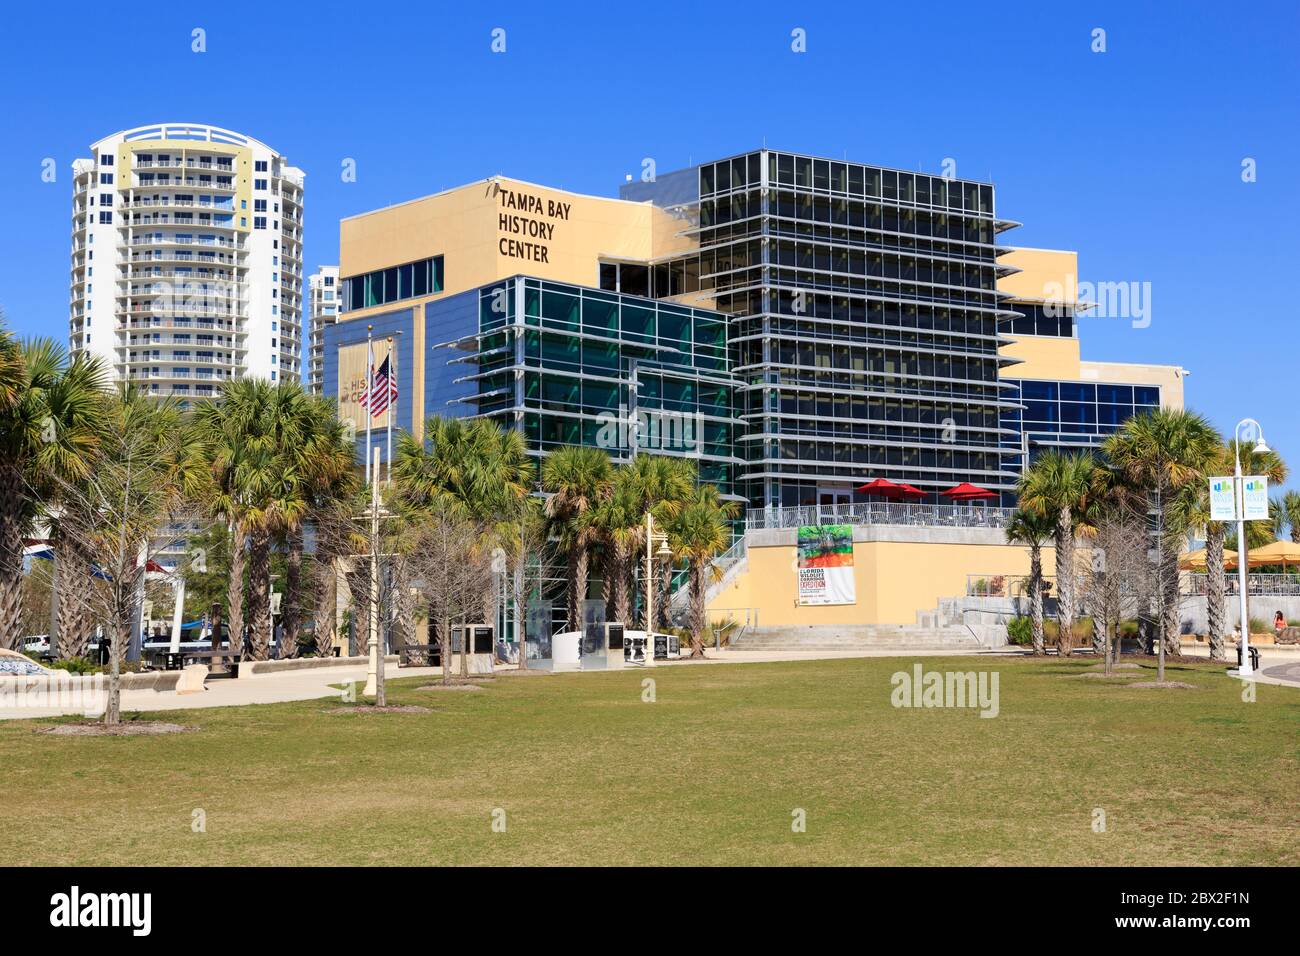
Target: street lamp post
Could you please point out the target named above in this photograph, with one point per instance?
(652, 537)
(1239, 489)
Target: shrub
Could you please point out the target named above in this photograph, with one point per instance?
(76, 665)
(1082, 632)
(1020, 631)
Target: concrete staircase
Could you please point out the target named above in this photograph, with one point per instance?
(877, 637)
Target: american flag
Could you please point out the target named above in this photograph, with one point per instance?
(382, 390)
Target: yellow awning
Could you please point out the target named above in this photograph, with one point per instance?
(1279, 552)
(1195, 560)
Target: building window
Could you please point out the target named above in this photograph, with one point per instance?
(259, 205)
(408, 281)
(106, 218)
(259, 166)
(106, 159)
(106, 179)
(259, 184)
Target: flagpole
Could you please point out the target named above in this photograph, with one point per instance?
(370, 378)
(392, 378)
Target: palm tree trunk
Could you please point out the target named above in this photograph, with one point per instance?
(697, 607)
(326, 603)
(1098, 633)
(578, 570)
(1215, 585)
(292, 622)
(1172, 622)
(235, 591)
(664, 595)
(76, 623)
(1065, 581)
(259, 604)
(11, 558)
(1036, 599)
(622, 593)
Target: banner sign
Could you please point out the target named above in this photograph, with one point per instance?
(1254, 494)
(1222, 507)
(826, 564)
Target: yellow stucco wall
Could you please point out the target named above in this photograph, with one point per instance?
(894, 580)
(1045, 274)
(1042, 272)
(502, 227)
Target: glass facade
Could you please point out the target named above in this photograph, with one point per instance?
(1064, 414)
(409, 281)
(864, 322)
(573, 365)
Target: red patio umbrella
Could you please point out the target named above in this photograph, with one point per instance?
(968, 492)
(881, 486)
(890, 489)
(907, 491)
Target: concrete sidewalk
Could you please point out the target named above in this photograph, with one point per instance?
(322, 682)
(1279, 665)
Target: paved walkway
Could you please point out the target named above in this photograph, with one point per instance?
(322, 682)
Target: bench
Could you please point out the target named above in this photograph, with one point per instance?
(211, 657)
(1254, 657)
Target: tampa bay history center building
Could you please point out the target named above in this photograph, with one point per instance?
(818, 323)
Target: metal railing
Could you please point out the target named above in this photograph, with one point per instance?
(1004, 585)
(1266, 584)
(880, 512)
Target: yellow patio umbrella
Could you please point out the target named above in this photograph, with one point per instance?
(1195, 560)
(1279, 552)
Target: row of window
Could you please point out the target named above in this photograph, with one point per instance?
(846, 212)
(847, 179)
(409, 281)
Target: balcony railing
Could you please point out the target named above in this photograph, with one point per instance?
(881, 512)
(1264, 584)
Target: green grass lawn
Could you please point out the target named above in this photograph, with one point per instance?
(589, 774)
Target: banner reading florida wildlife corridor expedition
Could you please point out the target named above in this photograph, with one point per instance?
(826, 564)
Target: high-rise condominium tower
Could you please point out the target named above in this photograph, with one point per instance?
(187, 259)
(322, 310)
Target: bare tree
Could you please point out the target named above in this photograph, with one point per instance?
(443, 553)
(131, 510)
(1116, 577)
(336, 538)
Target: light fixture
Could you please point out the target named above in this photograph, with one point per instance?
(1261, 448)
(664, 551)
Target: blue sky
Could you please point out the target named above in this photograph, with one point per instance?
(1132, 157)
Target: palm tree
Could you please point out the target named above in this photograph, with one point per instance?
(1032, 530)
(256, 437)
(616, 522)
(1195, 513)
(699, 530)
(51, 428)
(323, 464)
(470, 470)
(1161, 454)
(1288, 513)
(151, 464)
(654, 480)
(575, 477)
(1058, 487)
